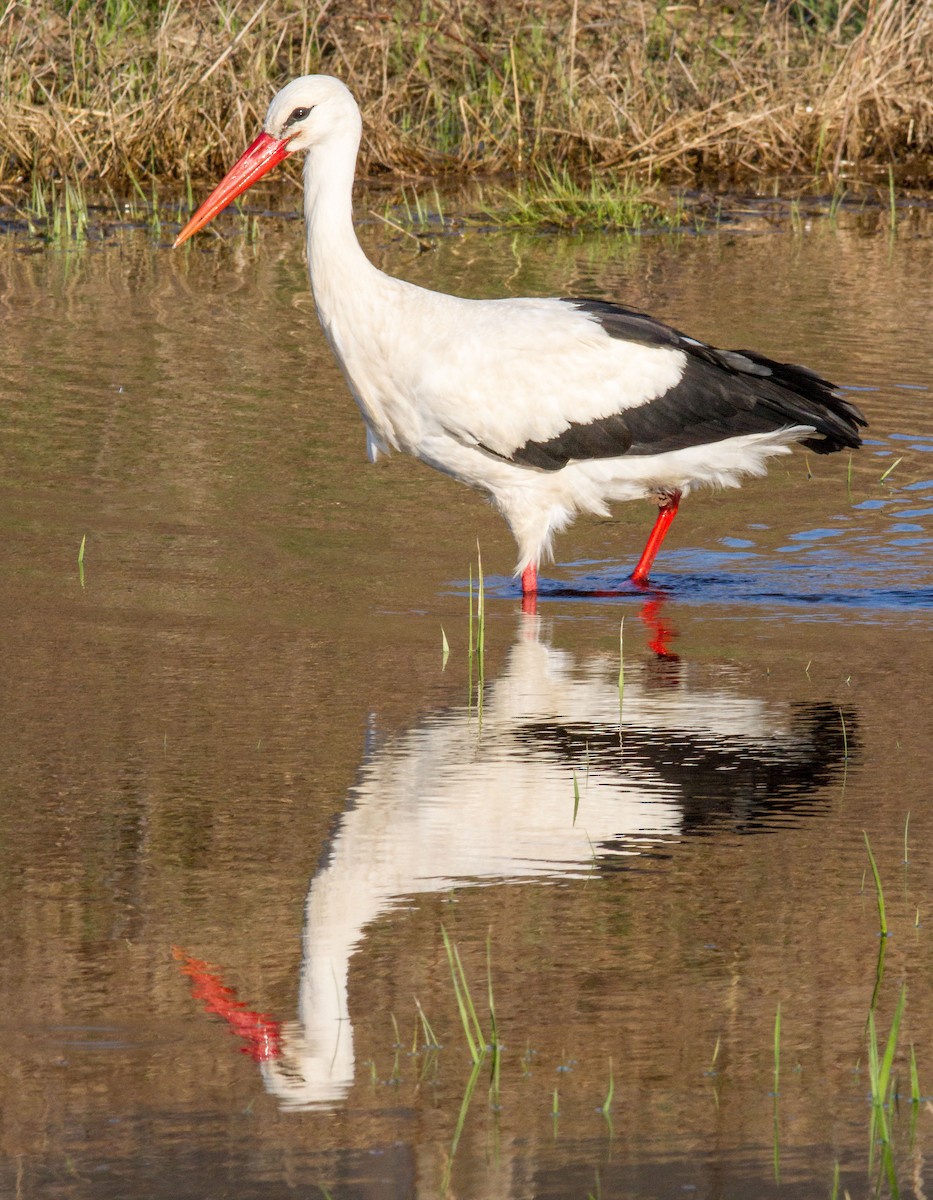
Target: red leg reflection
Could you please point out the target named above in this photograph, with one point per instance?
(650, 616)
(262, 1033)
(530, 590)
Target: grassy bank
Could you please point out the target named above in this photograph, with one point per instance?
(128, 90)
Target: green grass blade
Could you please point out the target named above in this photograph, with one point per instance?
(461, 1121)
(480, 618)
(897, 462)
(887, 1061)
(879, 974)
(878, 1129)
(471, 1027)
(607, 1103)
(887, 1158)
(493, 1027)
(879, 892)
(430, 1039)
(470, 628)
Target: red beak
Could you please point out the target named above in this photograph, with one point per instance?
(252, 164)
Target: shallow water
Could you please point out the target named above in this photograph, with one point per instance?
(244, 795)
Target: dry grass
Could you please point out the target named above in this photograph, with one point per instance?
(120, 90)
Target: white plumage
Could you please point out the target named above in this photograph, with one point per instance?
(551, 406)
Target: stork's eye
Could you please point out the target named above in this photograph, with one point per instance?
(297, 114)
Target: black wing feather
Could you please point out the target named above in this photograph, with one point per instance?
(722, 394)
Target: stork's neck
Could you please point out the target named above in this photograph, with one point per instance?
(340, 271)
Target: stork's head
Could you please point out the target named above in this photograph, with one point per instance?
(306, 113)
(311, 109)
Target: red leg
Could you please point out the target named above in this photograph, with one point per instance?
(530, 589)
(667, 511)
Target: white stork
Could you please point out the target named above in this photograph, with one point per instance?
(551, 406)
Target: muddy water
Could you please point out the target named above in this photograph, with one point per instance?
(243, 796)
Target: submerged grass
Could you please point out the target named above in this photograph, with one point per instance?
(57, 211)
(883, 1091)
(606, 1108)
(879, 891)
(481, 1048)
(556, 198)
(481, 1037)
(130, 88)
(897, 462)
(477, 634)
(479, 1044)
(67, 213)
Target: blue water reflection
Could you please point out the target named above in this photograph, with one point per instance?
(876, 557)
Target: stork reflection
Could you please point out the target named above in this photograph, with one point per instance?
(455, 802)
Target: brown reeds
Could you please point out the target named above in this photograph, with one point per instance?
(121, 90)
